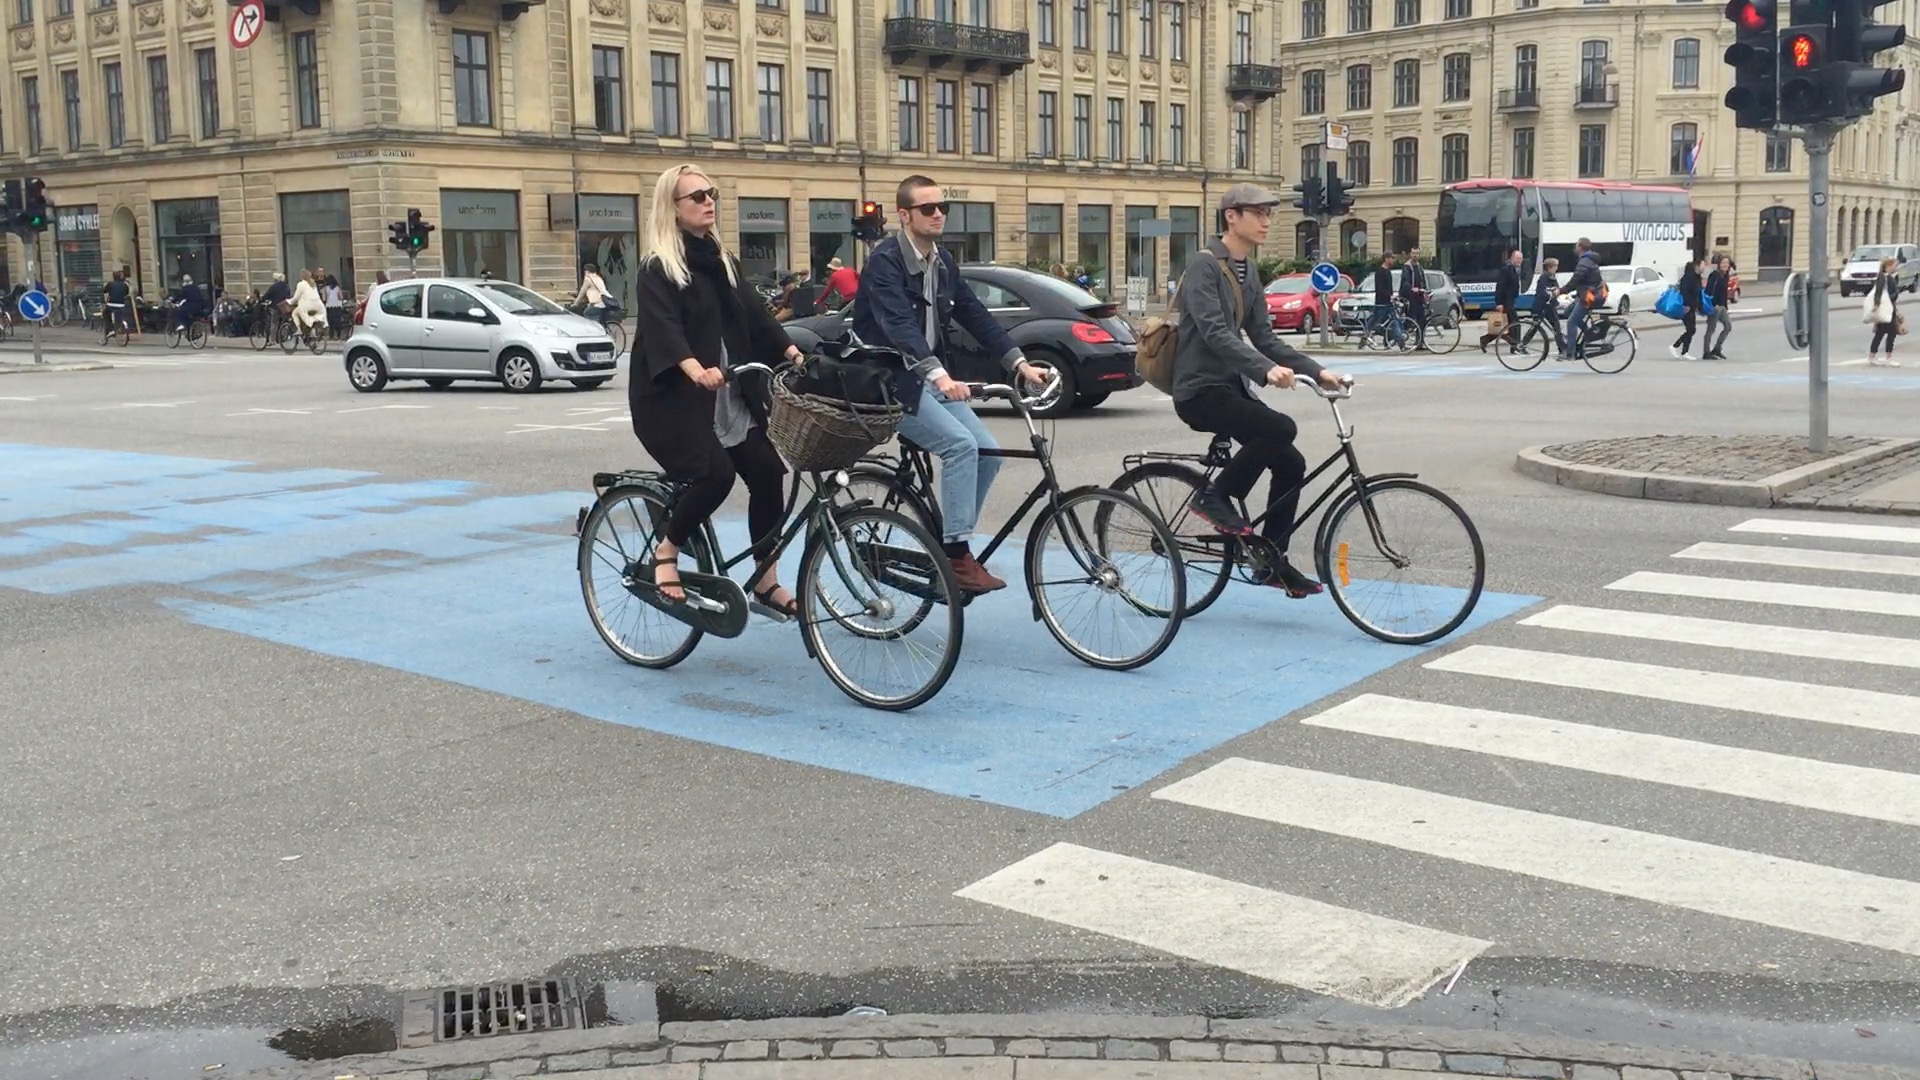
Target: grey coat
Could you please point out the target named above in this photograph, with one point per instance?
(1209, 349)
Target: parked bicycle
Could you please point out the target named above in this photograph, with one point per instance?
(1092, 551)
(1374, 532)
(869, 577)
(1607, 345)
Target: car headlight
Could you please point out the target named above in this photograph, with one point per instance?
(545, 329)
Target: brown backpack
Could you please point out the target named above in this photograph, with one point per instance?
(1159, 340)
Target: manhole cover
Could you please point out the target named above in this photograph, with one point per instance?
(454, 1013)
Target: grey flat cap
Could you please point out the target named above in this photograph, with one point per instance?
(1240, 195)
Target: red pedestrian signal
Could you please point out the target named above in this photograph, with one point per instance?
(1801, 52)
(1748, 16)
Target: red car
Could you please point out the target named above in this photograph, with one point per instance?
(1293, 305)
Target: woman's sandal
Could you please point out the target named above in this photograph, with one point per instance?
(673, 584)
(764, 600)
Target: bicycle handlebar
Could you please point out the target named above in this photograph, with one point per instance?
(1324, 394)
(1049, 391)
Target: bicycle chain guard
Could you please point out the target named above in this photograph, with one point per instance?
(716, 604)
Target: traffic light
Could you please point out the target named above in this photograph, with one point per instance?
(871, 225)
(1312, 192)
(1804, 76)
(397, 234)
(1755, 58)
(34, 213)
(1339, 194)
(418, 231)
(1856, 39)
(16, 201)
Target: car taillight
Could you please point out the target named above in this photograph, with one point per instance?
(1092, 333)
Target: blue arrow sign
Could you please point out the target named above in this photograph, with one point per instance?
(33, 305)
(1325, 277)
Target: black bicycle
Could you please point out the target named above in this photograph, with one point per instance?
(1371, 535)
(1092, 552)
(869, 577)
(1607, 345)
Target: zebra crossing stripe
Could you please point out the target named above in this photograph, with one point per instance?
(1786, 594)
(1808, 898)
(1878, 794)
(1805, 558)
(1289, 939)
(1722, 634)
(1830, 530)
(1872, 710)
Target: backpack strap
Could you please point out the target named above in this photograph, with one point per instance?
(1239, 291)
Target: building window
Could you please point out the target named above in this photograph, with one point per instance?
(306, 80)
(1049, 124)
(1177, 134)
(1243, 140)
(980, 13)
(1313, 20)
(665, 75)
(1593, 63)
(70, 101)
(116, 104)
(159, 99)
(1406, 12)
(207, 67)
(1083, 126)
(1593, 150)
(1149, 27)
(772, 99)
(1312, 162)
(1116, 129)
(1686, 64)
(1521, 167)
(1243, 36)
(946, 116)
(1360, 163)
(1779, 153)
(1456, 77)
(1406, 83)
(819, 106)
(25, 9)
(1359, 16)
(1116, 27)
(1406, 162)
(818, 7)
(1313, 93)
(609, 89)
(1681, 139)
(472, 78)
(908, 94)
(1360, 88)
(30, 100)
(1083, 24)
(1459, 9)
(1776, 235)
(1453, 158)
(720, 99)
(1045, 18)
(768, 3)
(981, 122)
(1149, 119)
(1177, 31)
(1526, 68)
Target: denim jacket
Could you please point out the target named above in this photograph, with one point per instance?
(891, 308)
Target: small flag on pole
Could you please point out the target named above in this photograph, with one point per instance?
(1693, 157)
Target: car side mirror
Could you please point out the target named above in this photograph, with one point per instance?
(477, 314)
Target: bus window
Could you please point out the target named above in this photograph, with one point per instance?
(1673, 207)
(1635, 206)
(1474, 230)
(1583, 206)
(1553, 205)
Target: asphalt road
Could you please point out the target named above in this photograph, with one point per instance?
(303, 711)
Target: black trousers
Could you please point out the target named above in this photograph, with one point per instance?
(1883, 331)
(1686, 324)
(1266, 445)
(756, 462)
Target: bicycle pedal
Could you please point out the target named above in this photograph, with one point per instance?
(768, 611)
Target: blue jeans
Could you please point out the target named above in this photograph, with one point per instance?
(950, 431)
(1576, 326)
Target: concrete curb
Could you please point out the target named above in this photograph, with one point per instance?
(10, 368)
(1057, 1046)
(1534, 463)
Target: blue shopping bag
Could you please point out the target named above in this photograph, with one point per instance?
(1670, 303)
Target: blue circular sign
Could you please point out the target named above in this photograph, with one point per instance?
(1325, 277)
(33, 305)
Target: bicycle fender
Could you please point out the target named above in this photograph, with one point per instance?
(1320, 537)
(1373, 477)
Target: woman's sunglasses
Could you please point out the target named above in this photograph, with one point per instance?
(703, 195)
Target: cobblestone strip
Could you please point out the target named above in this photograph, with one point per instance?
(1753, 471)
(891, 1047)
(1843, 492)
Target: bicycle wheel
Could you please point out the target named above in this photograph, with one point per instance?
(61, 312)
(289, 338)
(1106, 577)
(618, 333)
(1399, 333)
(887, 569)
(260, 334)
(880, 485)
(1618, 344)
(1525, 356)
(1207, 557)
(1442, 338)
(316, 341)
(197, 334)
(1368, 548)
(616, 545)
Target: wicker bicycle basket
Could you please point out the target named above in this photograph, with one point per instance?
(818, 434)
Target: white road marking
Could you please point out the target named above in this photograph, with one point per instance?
(29, 397)
(1832, 530)
(1820, 597)
(1871, 709)
(523, 429)
(145, 405)
(1807, 898)
(1878, 794)
(1721, 634)
(1273, 935)
(1804, 558)
(375, 408)
(273, 412)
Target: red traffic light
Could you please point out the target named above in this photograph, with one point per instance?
(869, 208)
(1749, 17)
(1800, 52)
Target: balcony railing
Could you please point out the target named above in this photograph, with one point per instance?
(1253, 82)
(509, 9)
(1524, 99)
(1596, 95)
(939, 42)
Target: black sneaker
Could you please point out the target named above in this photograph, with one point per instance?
(1298, 585)
(1214, 509)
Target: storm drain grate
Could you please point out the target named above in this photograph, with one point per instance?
(509, 1008)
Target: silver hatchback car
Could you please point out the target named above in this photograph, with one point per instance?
(442, 329)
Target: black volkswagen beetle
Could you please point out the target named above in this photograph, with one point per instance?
(1056, 323)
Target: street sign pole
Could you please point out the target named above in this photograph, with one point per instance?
(1326, 309)
(1819, 140)
(33, 276)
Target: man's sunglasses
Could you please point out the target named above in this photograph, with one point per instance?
(702, 195)
(929, 208)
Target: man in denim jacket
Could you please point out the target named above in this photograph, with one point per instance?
(909, 292)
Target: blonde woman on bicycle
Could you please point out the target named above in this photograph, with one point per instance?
(309, 311)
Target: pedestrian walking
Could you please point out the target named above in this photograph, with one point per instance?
(1882, 309)
(1691, 287)
(1503, 321)
(1718, 285)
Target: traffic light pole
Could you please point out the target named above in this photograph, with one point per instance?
(31, 241)
(1326, 309)
(1819, 140)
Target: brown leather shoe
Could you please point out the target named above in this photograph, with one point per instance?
(974, 578)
